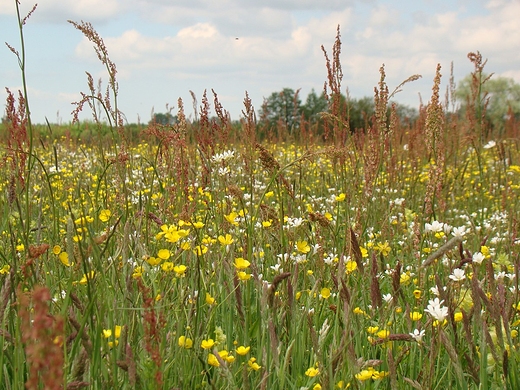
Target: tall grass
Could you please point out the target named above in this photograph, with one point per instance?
(201, 258)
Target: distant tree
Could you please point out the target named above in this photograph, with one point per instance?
(314, 106)
(500, 96)
(164, 119)
(360, 113)
(282, 108)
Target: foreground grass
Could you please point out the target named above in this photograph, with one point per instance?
(278, 272)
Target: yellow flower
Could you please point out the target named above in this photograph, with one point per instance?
(364, 251)
(20, 247)
(405, 279)
(56, 249)
(383, 334)
(458, 316)
(317, 386)
(269, 194)
(213, 361)
(167, 266)
(207, 344)
(383, 248)
(225, 240)
(485, 251)
(341, 197)
(64, 258)
(415, 316)
(86, 278)
(253, 365)
(210, 300)
(104, 215)
(163, 254)
(185, 342)
(138, 272)
(243, 350)
(364, 375)
(107, 333)
(117, 331)
(199, 250)
(325, 292)
(180, 270)
(5, 269)
(372, 329)
(379, 374)
(302, 247)
(198, 225)
(350, 266)
(231, 218)
(153, 261)
(357, 310)
(241, 263)
(312, 372)
(243, 275)
(417, 294)
(226, 356)
(266, 224)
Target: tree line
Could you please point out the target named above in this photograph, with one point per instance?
(284, 111)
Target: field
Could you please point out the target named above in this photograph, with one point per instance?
(204, 257)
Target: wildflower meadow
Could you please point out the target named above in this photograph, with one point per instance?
(201, 255)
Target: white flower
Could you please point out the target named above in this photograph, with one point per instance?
(490, 144)
(417, 335)
(388, 298)
(436, 310)
(295, 222)
(223, 171)
(459, 231)
(219, 157)
(434, 227)
(458, 275)
(478, 258)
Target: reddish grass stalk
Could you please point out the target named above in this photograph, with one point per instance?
(153, 323)
(43, 336)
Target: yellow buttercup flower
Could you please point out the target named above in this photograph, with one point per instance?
(185, 342)
(104, 215)
(207, 344)
(241, 263)
(243, 350)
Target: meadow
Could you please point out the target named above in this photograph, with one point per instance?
(203, 257)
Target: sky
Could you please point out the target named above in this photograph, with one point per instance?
(163, 49)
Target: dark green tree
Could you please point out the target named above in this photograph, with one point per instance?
(314, 105)
(164, 119)
(282, 109)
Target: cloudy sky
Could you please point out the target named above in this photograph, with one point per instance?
(165, 48)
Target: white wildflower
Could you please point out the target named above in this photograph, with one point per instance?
(417, 335)
(478, 258)
(436, 310)
(458, 275)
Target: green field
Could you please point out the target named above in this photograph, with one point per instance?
(200, 255)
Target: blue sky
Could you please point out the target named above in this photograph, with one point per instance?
(165, 48)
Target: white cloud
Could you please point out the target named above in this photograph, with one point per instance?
(58, 11)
